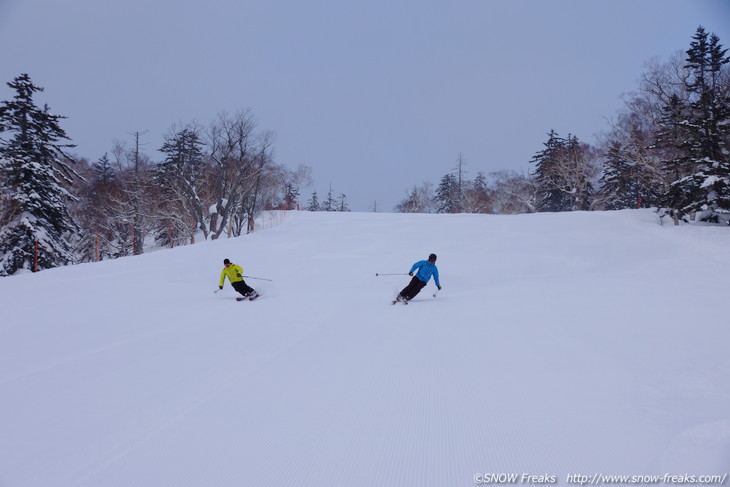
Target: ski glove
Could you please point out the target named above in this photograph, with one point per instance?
(439, 287)
(220, 287)
(410, 273)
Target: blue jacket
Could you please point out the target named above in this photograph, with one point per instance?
(425, 271)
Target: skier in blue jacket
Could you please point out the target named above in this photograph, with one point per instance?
(426, 269)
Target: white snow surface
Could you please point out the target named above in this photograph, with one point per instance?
(561, 344)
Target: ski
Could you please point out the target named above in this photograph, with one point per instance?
(250, 298)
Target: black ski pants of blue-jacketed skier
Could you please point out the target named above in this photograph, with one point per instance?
(412, 289)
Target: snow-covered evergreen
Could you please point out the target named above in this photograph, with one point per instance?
(179, 177)
(313, 203)
(103, 171)
(36, 175)
(625, 183)
(702, 166)
(563, 175)
(448, 197)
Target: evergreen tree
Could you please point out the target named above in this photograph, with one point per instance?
(330, 204)
(291, 196)
(448, 199)
(480, 183)
(313, 203)
(617, 184)
(547, 174)
(103, 171)
(672, 136)
(563, 175)
(344, 206)
(180, 177)
(702, 166)
(35, 170)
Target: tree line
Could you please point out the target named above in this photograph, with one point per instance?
(668, 147)
(332, 202)
(59, 209)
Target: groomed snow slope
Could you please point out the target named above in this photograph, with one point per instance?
(561, 344)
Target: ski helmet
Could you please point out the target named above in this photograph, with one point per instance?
(226, 261)
(432, 257)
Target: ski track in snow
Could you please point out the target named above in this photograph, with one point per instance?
(561, 343)
(113, 453)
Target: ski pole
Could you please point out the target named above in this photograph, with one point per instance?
(398, 274)
(259, 278)
(437, 291)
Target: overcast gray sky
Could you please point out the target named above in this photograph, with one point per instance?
(375, 96)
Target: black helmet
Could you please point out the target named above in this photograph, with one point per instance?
(226, 261)
(432, 257)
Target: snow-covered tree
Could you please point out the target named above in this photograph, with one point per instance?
(293, 182)
(418, 200)
(90, 209)
(329, 204)
(563, 174)
(705, 149)
(118, 209)
(137, 195)
(618, 184)
(104, 171)
(36, 174)
(550, 195)
(476, 195)
(448, 195)
(291, 197)
(313, 203)
(513, 193)
(240, 157)
(343, 205)
(632, 169)
(180, 177)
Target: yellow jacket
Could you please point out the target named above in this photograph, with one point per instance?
(234, 273)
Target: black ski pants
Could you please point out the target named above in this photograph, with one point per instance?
(413, 288)
(242, 287)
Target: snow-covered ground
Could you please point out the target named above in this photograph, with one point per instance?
(561, 345)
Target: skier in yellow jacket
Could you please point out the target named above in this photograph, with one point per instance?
(235, 275)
